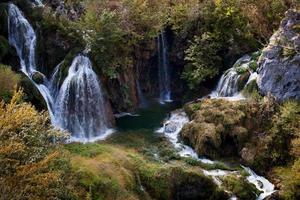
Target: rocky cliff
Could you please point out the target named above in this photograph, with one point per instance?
(279, 64)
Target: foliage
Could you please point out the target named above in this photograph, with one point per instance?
(203, 60)
(8, 82)
(224, 26)
(290, 177)
(31, 167)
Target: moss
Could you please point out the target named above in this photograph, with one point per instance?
(289, 52)
(87, 150)
(290, 178)
(240, 187)
(32, 94)
(241, 82)
(251, 90)
(253, 66)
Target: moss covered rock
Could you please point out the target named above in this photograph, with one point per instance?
(38, 77)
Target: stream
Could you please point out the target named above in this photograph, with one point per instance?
(149, 121)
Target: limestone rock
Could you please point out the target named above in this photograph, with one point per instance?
(279, 64)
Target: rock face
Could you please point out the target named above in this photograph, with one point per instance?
(279, 64)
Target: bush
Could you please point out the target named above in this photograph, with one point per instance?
(202, 59)
(31, 165)
(8, 82)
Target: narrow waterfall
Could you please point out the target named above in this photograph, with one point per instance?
(76, 106)
(22, 36)
(164, 70)
(80, 106)
(142, 100)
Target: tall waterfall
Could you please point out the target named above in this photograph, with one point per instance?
(78, 105)
(164, 70)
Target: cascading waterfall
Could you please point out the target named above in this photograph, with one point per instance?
(164, 70)
(21, 35)
(227, 85)
(78, 105)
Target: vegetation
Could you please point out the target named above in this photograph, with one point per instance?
(8, 83)
(237, 185)
(32, 166)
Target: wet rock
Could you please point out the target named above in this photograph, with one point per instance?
(171, 127)
(279, 64)
(274, 196)
(38, 77)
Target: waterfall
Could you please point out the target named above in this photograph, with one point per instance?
(141, 97)
(21, 35)
(227, 85)
(164, 69)
(78, 105)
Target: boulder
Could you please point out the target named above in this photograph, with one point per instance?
(38, 77)
(279, 64)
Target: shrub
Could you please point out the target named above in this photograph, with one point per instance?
(8, 82)
(202, 59)
(31, 165)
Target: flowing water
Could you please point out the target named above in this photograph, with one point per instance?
(164, 70)
(171, 129)
(78, 104)
(227, 87)
(72, 105)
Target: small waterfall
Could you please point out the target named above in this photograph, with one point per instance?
(164, 70)
(78, 105)
(142, 99)
(227, 85)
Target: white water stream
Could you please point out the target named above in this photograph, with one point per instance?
(172, 128)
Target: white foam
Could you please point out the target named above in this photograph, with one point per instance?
(261, 183)
(124, 114)
(83, 140)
